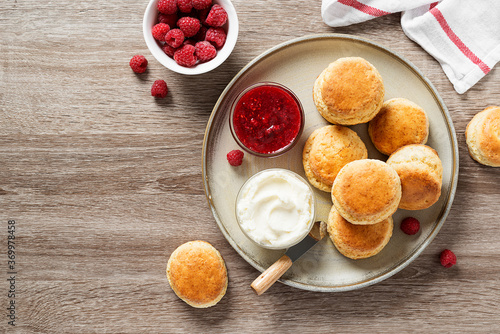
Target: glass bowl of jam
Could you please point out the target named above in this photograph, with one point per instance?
(266, 119)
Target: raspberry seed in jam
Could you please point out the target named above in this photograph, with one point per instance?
(266, 119)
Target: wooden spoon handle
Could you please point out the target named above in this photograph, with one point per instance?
(271, 275)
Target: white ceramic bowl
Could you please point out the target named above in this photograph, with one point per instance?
(231, 26)
(261, 198)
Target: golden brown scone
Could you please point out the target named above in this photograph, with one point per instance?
(421, 172)
(358, 241)
(349, 91)
(400, 122)
(197, 273)
(483, 137)
(366, 191)
(327, 150)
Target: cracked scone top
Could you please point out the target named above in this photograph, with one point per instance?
(349, 91)
(421, 172)
(366, 191)
(483, 137)
(327, 150)
(400, 122)
(197, 273)
(358, 241)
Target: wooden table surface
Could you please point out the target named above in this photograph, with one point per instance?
(104, 182)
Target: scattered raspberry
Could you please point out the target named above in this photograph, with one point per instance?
(216, 36)
(235, 157)
(159, 89)
(167, 6)
(174, 38)
(410, 225)
(447, 258)
(217, 16)
(170, 19)
(159, 31)
(205, 51)
(168, 50)
(185, 56)
(185, 6)
(138, 63)
(189, 26)
(201, 4)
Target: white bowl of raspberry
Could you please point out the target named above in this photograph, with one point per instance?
(190, 36)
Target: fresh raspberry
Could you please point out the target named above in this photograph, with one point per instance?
(185, 6)
(174, 38)
(167, 6)
(202, 15)
(159, 31)
(217, 16)
(201, 4)
(159, 89)
(447, 258)
(216, 36)
(185, 56)
(138, 63)
(410, 225)
(168, 50)
(235, 157)
(190, 42)
(205, 51)
(202, 33)
(189, 26)
(170, 19)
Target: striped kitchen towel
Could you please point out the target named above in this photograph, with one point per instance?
(462, 35)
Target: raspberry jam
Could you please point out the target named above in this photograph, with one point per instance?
(266, 119)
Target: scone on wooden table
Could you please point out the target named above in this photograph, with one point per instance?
(483, 137)
(349, 91)
(197, 273)
(358, 241)
(366, 191)
(421, 172)
(327, 150)
(400, 122)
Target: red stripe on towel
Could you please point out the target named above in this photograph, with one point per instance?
(432, 5)
(457, 41)
(364, 8)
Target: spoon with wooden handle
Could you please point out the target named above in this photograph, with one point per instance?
(278, 268)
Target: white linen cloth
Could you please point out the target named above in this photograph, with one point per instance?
(462, 35)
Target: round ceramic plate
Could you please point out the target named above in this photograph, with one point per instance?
(296, 64)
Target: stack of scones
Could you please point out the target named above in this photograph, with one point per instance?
(367, 192)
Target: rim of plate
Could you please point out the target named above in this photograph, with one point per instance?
(442, 216)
